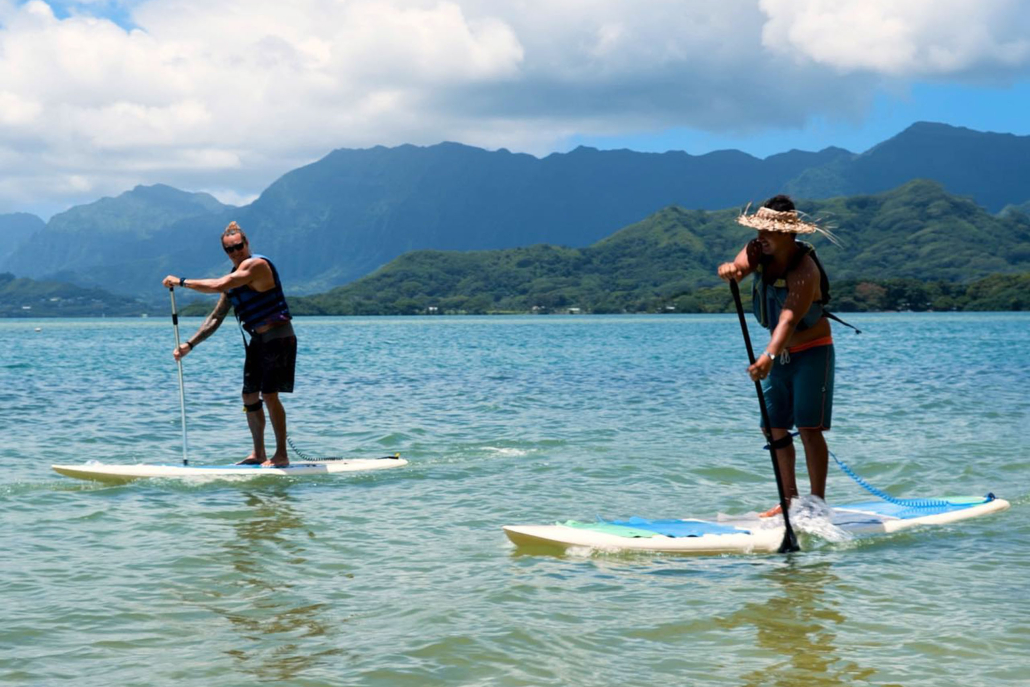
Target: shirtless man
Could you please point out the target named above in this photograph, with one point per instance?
(797, 366)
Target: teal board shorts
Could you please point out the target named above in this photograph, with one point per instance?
(800, 393)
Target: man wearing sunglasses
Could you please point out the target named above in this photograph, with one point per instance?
(254, 291)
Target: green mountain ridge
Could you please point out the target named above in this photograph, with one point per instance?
(15, 229)
(122, 244)
(353, 211)
(24, 297)
(1022, 208)
(917, 233)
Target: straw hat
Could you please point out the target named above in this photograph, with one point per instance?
(788, 222)
(767, 219)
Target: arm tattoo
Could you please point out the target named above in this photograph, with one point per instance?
(213, 321)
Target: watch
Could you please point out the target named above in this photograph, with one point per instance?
(771, 356)
(182, 281)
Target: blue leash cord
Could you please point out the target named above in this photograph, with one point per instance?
(909, 503)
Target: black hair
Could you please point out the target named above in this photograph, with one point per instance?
(780, 203)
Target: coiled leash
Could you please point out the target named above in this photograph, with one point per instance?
(909, 503)
(305, 457)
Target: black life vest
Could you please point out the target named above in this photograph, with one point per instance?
(256, 308)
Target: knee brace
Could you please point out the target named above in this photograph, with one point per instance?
(252, 407)
(782, 442)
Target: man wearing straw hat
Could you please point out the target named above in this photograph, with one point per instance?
(796, 368)
(256, 294)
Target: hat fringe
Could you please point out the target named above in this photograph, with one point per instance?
(790, 221)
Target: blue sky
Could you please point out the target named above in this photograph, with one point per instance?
(224, 96)
(1002, 109)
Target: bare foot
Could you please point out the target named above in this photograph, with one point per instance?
(276, 463)
(250, 460)
(772, 512)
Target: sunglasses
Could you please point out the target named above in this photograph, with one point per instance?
(234, 248)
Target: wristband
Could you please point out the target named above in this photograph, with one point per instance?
(190, 344)
(182, 281)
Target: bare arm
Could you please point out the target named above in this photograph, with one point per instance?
(253, 271)
(801, 291)
(211, 323)
(742, 265)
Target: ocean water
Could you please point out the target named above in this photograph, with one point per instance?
(404, 577)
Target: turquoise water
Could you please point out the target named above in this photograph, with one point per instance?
(404, 577)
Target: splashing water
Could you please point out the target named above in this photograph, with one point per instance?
(811, 515)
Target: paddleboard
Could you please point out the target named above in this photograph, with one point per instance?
(748, 534)
(116, 474)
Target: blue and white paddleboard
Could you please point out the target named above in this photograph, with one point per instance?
(749, 534)
(117, 474)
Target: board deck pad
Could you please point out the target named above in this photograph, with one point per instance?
(116, 474)
(747, 534)
(639, 527)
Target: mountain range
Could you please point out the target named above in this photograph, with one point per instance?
(917, 231)
(342, 217)
(24, 297)
(15, 229)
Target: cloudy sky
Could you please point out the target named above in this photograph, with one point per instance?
(224, 96)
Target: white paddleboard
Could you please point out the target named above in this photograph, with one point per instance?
(117, 474)
(745, 534)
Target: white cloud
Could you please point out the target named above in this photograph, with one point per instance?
(229, 94)
(230, 196)
(912, 38)
(17, 110)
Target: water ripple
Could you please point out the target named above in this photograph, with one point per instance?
(404, 577)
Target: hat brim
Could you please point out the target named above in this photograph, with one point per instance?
(769, 224)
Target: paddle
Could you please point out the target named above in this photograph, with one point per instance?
(182, 392)
(790, 542)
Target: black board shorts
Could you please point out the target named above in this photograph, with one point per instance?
(271, 360)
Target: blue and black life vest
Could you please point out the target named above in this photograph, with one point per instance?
(256, 308)
(769, 297)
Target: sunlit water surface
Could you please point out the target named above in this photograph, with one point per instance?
(404, 577)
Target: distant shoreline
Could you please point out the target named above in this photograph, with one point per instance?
(164, 316)
(995, 293)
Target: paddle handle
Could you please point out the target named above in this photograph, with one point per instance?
(790, 542)
(182, 389)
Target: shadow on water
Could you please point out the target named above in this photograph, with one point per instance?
(283, 632)
(798, 624)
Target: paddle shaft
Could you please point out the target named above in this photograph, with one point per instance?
(182, 391)
(790, 542)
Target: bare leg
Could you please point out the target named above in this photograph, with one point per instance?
(256, 422)
(817, 458)
(785, 459)
(277, 414)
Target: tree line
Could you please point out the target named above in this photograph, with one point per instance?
(1002, 292)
